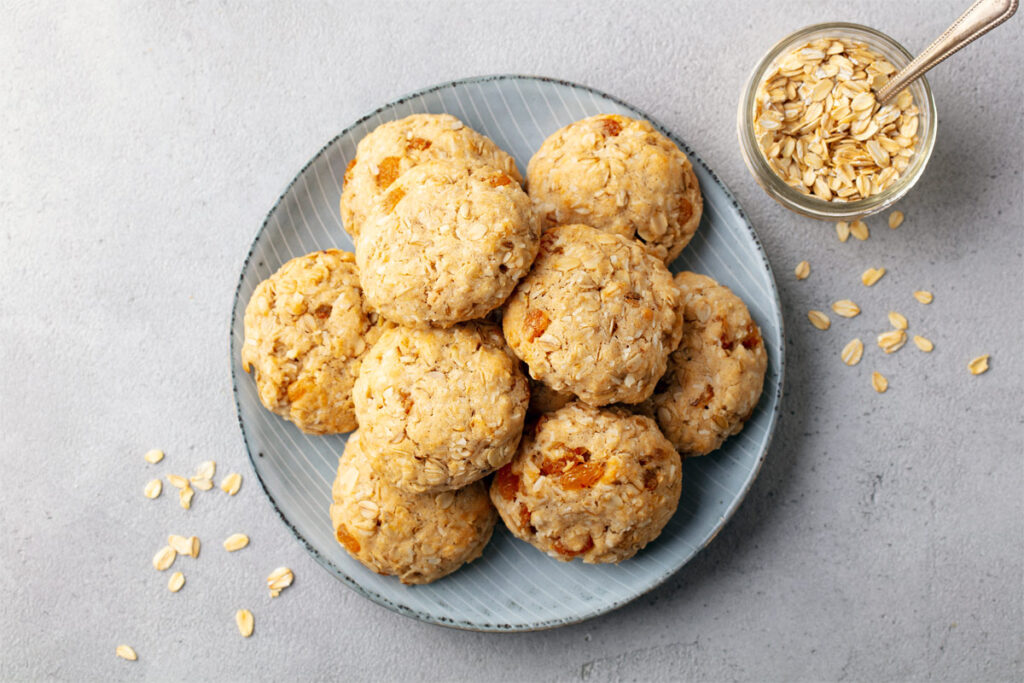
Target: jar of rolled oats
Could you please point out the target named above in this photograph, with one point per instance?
(812, 134)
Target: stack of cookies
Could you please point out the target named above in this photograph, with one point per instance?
(479, 329)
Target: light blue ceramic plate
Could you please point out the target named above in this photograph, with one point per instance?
(513, 587)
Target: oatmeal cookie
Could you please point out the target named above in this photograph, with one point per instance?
(394, 147)
(596, 316)
(619, 175)
(440, 408)
(306, 331)
(417, 537)
(715, 377)
(447, 242)
(595, 483)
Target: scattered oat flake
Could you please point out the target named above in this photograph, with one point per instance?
(978, 365)
(181, 545)
(278, 580)
(898, 321)
(859, 229)
(176, 481)
(846, 308)
(892, 341)
(895, 219)
(201, 484)
(231, 483)
(924, 296)
(803, 270)
(206, 470)
(153, 488)
(154, 456)
(175, 583)
(244, 621)
(126, 652)
(923, 344)
(819, 319)
(193, 546)
(235, 542)
(164, 558)
(843, 231)
(872, 275)
(185, 497)
(879, 382)
(852, 352)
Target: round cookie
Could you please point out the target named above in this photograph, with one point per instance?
(306, 331)
(447, 242)
(596, 316)
(394, 147)
(714, 379)
(440, 408)
(595, 483)
(619, 175)
(417, 537)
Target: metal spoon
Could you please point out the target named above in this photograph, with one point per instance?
(979, 19)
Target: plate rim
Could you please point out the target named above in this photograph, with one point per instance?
(408, 612)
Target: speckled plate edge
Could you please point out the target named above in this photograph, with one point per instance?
(603, 609)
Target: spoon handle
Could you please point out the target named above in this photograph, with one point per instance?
(979, 19)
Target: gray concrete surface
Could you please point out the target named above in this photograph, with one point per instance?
(142, 145)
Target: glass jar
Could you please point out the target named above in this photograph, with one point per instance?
(807, 204)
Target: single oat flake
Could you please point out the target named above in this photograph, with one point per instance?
(278, 580)
(185, 497)
(803, 270)
(201, 484)
(235, 542)
(895, 219)
(978, 365)
(164, 558)
(879, 382)
(923, 344)
(819, 319)
(859, 230)
(231, 483)
(181, 545)
(872, 275)
(898, 321)
(244, 621)
(177, 481)
(126, 652)
(193, 544)
(153, 488)
(924, 296)
(846, 308)
(175, 583)
(206, 470)
(852, 352)
(154, 456)
(843, 231)
(892, 341)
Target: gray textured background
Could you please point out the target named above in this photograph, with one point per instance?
(141, 148)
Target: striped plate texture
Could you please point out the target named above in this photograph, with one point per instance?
(513, 586)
